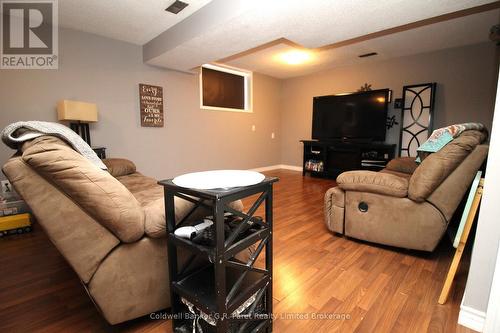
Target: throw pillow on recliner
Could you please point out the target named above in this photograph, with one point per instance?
(403, 164)
(118, 167)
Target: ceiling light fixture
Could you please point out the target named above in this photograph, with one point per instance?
(176, 7)
(295, 57)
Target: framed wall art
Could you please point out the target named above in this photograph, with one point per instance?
(151, 105)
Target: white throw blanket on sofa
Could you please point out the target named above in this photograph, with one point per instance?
(35, 128)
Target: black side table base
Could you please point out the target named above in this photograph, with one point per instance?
(225, 283)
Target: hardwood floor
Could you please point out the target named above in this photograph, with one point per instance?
(360, 287)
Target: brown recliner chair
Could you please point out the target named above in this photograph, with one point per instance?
(109, 226)
(406, 205)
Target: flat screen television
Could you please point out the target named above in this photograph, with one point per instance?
(359, 116)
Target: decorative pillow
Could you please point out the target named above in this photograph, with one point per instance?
(442, 136)
(402, 164)
(119, 166)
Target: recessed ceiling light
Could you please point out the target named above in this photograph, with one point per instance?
(295, 57)
(176, 7)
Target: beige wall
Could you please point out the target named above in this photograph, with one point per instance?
(107, 72)
(465, 92)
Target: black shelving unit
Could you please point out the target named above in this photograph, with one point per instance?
(221, 283)
(337, 157)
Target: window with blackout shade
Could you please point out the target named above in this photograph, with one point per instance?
(225, 89)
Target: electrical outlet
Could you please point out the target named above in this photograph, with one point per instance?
(253, 128)
(272, 135)
(6, 186)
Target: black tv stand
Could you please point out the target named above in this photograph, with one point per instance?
(354, 140)
(330, 158)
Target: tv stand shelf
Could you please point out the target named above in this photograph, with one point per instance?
(330, 158)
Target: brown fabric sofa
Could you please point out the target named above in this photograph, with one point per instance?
(109, 226)
(406, 205)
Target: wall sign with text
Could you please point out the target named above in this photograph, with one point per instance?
(151, 102)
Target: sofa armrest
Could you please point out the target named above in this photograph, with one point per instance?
(334, 209)
(373, 182)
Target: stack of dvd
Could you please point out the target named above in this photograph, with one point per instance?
(314, 165)
(15, 217)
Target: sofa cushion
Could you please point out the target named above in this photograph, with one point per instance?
(402, 164)
(438, 166)
(447, 196)
(83, 242)
(155, 225)
(150, 196)
(133, 280)
(373, 182)
(119, 166)
(97, 192)
(137, 182)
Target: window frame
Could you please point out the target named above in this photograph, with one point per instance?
(248, 87)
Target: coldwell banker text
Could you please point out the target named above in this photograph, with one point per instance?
(29, 34)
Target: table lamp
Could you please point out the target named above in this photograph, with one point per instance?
(79, 114)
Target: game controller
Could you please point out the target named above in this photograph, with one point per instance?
(192, 231)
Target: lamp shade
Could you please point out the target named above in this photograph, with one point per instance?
(76, 111)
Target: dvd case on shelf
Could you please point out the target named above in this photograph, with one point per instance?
(314, 165)
(11, 204)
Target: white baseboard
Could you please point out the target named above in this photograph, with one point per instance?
(267, 168)
(278, 166)
(291, 167)
(471, 318)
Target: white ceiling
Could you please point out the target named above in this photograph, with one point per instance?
(462, 31)
(223, 28)
(133, 21)
(312, 23)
